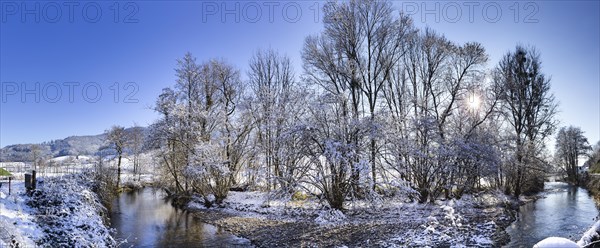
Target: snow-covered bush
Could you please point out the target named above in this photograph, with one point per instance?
(209, 176)
(104, 183)
(70, 214)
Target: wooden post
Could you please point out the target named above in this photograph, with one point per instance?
(28, 181)
(9, 179)
(33, 179)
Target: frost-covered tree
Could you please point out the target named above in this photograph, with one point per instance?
(571, 144)
(277, 105)
(352, 58)
(117, 140)
(135, 144)
(165, 138)
(529, 109)
(371, 41)
(328, 142)
(218, 157)
(424, 94)
(200, 136)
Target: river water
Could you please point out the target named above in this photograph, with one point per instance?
(565, 211)
(145, 218)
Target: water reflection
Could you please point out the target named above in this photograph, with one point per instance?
(146, 219)
(566, 211)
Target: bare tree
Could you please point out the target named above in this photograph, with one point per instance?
(36, 155)
(135, 143)
(425, 91)
(117, 139)
(328, 144)
(529, 108)
(200, 138)
(570, 146)
(594, 159)
(277, 106)
(165, 137)
(354, 57)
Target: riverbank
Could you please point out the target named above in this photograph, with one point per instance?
(477, 220)
(593, 185)
(592, 236)
(62, 212)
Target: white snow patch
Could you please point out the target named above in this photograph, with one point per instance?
(589, 235)
(556, 242)
(481, 240)
(17, 221)
(330, 217)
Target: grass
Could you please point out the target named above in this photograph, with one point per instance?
(4, 173)
(595, 168)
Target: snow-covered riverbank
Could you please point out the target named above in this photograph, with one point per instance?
(62, 212)
(471, 221)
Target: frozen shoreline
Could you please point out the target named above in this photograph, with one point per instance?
(471, 221)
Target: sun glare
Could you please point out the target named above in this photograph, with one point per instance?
(474, 102)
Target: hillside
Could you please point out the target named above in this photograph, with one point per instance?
(73, 145)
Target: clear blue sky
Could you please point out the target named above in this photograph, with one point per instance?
(74, 50)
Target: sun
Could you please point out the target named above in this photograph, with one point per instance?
(474, 102)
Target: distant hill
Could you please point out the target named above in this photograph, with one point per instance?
(73, 145)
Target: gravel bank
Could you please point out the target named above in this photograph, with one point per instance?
(414, 225)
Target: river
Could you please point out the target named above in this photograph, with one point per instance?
(145, 218)
(565, 211)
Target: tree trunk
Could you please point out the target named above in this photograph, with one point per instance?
(373, 162)
(119, 172)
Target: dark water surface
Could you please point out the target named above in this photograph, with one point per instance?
(145, 218)
(566, 211)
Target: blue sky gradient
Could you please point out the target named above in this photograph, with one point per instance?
(137, 46)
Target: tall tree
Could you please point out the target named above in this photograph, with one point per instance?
(570, 146)
(136, 142)
(117, 139)
(276, 105)
(352, 59)
(36, 155)
(529, 108)
(201, 139)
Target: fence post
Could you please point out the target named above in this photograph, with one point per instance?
(33, 180)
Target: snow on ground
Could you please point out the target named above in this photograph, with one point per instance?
(17, 220)
(470, 221)
(63, 211)
(556, 242)
(69, 213)
(80, 159)
(590, 235)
